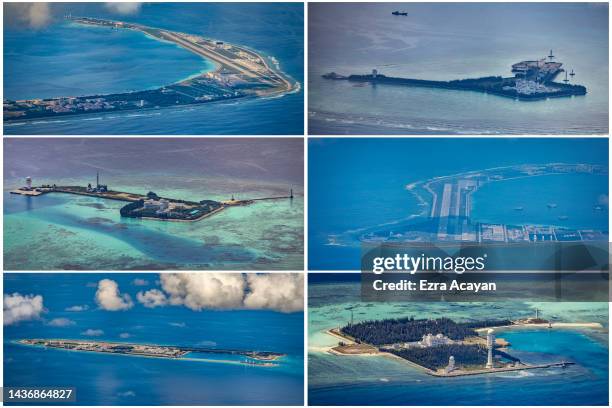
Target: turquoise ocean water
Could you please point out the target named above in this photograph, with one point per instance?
(65, 59)
(367, 380)
(102, 379)
(79, 232)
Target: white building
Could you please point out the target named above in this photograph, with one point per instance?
(451, 365)
(528, 87)
(151, 204)
(490, 343)
(163, 206)
(431, 341)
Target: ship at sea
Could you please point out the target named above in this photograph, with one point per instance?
(441, 71)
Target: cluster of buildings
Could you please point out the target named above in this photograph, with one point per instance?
(159, 205)
(537, 70)
(59, 105)
(535, 233)
(530, 87)
(221, 45)
(163, 207)
(451, 207)
(532, 75)
(222, 78)
(99, 188)
(81, 104)
(107, 347)
(428, 340)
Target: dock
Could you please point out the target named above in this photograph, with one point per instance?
(461, 373)
(239, 73)
(149, 206)
(263, 358)
(448, 204)
(349, 346)
(533, 80)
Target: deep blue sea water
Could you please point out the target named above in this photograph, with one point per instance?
(63, 59)
(360, 183)
(126, 380)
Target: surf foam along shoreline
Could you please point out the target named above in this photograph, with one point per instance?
(534, 80)
(239, 73)
(442, 219)
(469, 341)
(257, 358)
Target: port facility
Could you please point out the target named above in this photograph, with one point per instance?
(533, 80)
(260, 358)
(146, 206)
(447, 203)
(240, 72)
(494, 351)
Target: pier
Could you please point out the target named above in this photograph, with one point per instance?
(351, 346)
(533, 80)
(149, 206)
(239, 73)
(460, 373)
(263, 358)
(449, 214)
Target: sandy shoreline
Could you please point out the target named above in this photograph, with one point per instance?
(458, 373)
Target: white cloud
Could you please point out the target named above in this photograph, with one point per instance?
(109, 298)
(199, 291)
(152, 298)
(61, 322)
(140, 282)
(32, 15)
(123, 8)
(93, 332)
(77, 308)
(18, 308)
(283, 292)
(125, 335)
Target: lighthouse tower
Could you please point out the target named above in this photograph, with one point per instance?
(451, 365)
(29, 183)
(490, 343)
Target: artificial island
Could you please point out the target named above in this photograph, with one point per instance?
(454, 349)
(446, 211)
(258, 358)
(532, 80)
(239, 73)
(149, 206)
